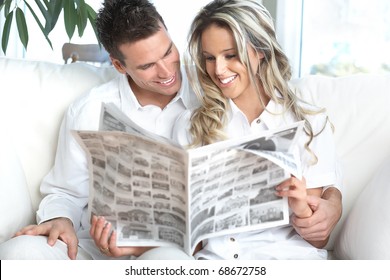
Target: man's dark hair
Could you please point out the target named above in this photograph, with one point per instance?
(126, 21)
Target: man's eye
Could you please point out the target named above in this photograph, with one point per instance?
(145, 67)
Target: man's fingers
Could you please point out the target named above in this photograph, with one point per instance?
(72, 248)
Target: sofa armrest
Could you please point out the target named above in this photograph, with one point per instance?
(15, 202)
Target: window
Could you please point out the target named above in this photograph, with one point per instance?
(335, 37)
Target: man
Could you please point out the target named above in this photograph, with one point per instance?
(151, 90)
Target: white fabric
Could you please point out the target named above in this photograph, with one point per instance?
(282, 242)
(66, 187)
(165, 253)
(365, 233)
(15, 203)
(358, 108)
(34, 97)
(28, 247)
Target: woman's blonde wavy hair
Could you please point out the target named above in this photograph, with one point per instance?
(251, 25)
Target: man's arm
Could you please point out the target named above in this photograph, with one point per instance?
(327, 212)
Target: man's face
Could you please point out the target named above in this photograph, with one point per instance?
(153, 65)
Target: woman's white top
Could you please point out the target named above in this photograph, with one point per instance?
(280, 242)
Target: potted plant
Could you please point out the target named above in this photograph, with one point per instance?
(77, 13)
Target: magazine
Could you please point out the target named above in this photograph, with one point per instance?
(156, 193)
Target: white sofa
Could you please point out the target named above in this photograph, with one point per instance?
(34, 96)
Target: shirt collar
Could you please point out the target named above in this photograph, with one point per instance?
(272, 117)
(186, 94)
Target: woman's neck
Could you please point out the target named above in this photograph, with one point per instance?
(251, 104)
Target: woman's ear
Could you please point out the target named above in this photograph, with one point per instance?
(260, 55)
(118, 65)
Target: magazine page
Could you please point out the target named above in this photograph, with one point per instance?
(145, 186)
(139, 185)
(232, 183)
(113, 119)
(280, 147)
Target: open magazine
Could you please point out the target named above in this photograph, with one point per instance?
(156, 193)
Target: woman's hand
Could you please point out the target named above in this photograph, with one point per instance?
(296, 191)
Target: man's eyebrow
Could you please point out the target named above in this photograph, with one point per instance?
(142, 66)
(169, 49)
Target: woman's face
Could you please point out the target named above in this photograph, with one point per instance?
(223, 64)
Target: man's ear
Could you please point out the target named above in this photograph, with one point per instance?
(118, 65)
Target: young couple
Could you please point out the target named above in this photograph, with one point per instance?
(241, 86)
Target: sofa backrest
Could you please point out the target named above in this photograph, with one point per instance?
(358, 106)
(34, 96)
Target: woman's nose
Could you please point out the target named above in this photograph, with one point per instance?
(220, 66)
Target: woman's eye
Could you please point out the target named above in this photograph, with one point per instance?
(230, 56)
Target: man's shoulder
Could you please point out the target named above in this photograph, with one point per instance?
(106, 92)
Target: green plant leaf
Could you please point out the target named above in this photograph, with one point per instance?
(70, 18)
(6, 31)
(7, 7)
(82, 17)
(91, 14)
(22, 27)
(54, 8)
(92, 19)
(44, 11)
(39, 24)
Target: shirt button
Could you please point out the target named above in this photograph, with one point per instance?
(235, 256)
(232, 239)
(258, 121)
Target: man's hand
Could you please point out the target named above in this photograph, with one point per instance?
(326, 213)
(105, 240)
(58, 228)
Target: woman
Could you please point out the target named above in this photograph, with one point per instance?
(242, 80)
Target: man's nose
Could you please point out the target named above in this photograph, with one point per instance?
(163, 69)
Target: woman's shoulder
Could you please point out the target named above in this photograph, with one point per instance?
(317, 116)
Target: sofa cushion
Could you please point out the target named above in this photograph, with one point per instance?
(15, 203)
(357, 107)
(36, 95)
(365, 233)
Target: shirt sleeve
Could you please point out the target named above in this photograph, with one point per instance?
(324, 172)
(66, 187)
